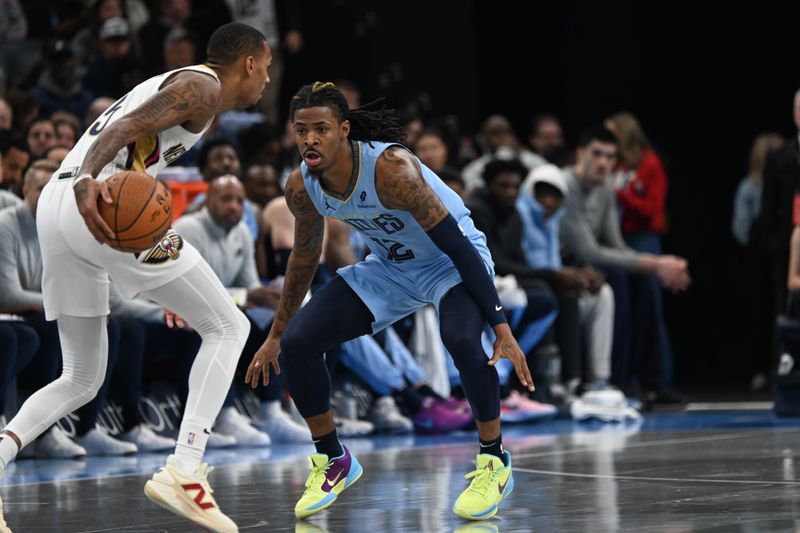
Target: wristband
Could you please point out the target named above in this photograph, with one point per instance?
(81, 178)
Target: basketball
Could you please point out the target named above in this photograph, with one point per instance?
(141, 211)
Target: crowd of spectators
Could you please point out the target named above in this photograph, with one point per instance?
(575, 234)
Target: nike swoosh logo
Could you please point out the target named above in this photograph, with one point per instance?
(502, 487)
(332, 482)
(498, 307)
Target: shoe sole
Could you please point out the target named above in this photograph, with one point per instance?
(166, 497)
(306, 514)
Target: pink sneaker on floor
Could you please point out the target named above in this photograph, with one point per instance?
(436, 417)
(519, 408)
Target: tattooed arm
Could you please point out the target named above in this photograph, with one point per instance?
(400, 185)
(309, 229)
(189, 98)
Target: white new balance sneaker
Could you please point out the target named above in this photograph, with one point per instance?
(188, 496)
(386, 417)
(147, 440)
(279, 424)
(98, 442)
(233, 423)
(55, 444)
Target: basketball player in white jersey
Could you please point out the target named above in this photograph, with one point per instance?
(144, 130)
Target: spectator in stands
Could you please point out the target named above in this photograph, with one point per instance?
(547, 139)
(590, 233)
(67, 128)
(586, 308)
(172, 14)
(41, 136)
(24, 108)
(494, 211)
(755, 276)
(6, 115)
(453, 179)
(431, 149)
(116, 69)
(59, 87)
(56, 154)
(412, 125)
(179, 49)
(280, 21)
(18, 344)
(498, 140)
(219, 157)
(219, 234)
(20, 279)
(776, 219)
(15, 159)
(96, 108)
(260, 180)
(85, 42)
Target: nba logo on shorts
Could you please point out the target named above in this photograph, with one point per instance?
(190, 438)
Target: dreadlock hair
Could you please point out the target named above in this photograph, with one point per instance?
(370, 122)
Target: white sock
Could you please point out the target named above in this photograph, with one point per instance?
(189, 449)
(8, 450)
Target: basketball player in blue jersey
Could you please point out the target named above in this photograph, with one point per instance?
(147, 128)
(425, 250)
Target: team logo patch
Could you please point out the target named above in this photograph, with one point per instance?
(169, 248)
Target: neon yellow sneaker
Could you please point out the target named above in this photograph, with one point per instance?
(491, 482)
(327, 480)
(188, 496)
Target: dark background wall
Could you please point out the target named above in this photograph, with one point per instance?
(703, 78)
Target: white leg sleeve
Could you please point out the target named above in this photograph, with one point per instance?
(597, 320)
(200, 299)
(84, 348)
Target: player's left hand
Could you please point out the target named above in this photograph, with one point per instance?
(173, 320)
(265, 356)
(505, 346)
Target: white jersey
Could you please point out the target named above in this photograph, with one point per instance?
(149, 154)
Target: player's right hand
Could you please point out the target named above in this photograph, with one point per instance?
(505, 346)
(265, 356)
(87, 193)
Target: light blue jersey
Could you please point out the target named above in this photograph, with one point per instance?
(405, 269)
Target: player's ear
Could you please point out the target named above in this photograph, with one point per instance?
(345, 128)
(250, 64)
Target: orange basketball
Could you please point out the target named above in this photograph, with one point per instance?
(141, 212)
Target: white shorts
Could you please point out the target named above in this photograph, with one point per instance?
(77, 268)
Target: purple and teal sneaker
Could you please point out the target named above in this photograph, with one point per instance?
(436, 417)
(327, 480)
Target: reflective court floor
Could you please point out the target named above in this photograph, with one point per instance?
(709, 471)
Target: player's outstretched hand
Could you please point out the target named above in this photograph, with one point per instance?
(175, 321)
(87, 192)
(265, 356)
(505, 345)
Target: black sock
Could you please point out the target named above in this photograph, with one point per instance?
(426, 390)
(494, 447)
(329, 445)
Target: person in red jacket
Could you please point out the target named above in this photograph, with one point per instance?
(641, 185)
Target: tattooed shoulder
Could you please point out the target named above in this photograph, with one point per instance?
(297, 197)
(400, 185)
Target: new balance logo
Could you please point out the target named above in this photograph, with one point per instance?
(201, 494)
